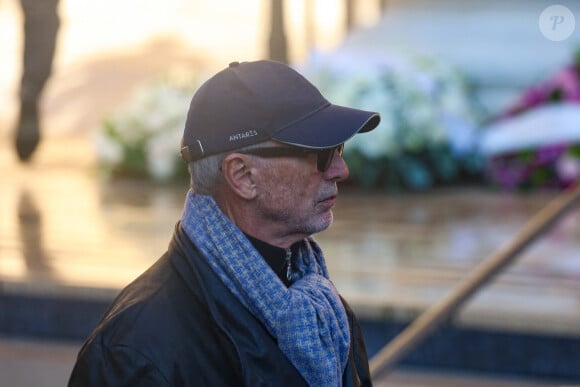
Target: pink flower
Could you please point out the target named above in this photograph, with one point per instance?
(567, 81)
(563, 85)
(568, 169)
(534, 96)
(549, 154)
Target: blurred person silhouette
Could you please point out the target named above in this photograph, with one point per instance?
(36, 258)
(41, 23)
(242, 297)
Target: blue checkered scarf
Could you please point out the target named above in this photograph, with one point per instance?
(307, 319)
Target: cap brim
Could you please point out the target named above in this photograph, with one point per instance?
(328, 127)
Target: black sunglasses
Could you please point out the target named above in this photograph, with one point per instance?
(324, 156)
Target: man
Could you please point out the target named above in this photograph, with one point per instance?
(242, 296)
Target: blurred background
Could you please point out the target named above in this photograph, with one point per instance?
(480, 129)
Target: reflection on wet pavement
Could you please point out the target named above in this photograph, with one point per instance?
(30, 230)
(64, 230)
(396, 255)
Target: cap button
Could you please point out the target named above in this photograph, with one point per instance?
(234, 64)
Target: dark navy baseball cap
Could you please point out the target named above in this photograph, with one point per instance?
(251, 102)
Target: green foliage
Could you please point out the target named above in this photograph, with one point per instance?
(416, 171)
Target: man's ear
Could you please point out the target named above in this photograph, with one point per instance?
(238, 175)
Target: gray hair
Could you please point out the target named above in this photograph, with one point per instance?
(206, 175)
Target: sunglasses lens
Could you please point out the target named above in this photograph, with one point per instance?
(325, 157)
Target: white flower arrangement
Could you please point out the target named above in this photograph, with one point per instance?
(142, 139)
(424, 105)
(427, 130)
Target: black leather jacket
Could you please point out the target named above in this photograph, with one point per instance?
(178, 325)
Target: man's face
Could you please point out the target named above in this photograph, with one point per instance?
(294, 197)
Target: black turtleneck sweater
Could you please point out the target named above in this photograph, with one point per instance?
(276, 257)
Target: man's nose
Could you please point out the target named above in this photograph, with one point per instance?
(338, 170)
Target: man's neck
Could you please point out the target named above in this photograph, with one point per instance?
(244, 216)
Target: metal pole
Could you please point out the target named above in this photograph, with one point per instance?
(427, 322)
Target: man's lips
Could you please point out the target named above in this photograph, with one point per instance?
(329, 200)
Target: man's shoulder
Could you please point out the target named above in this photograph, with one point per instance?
(161, 320)
(158, 301)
